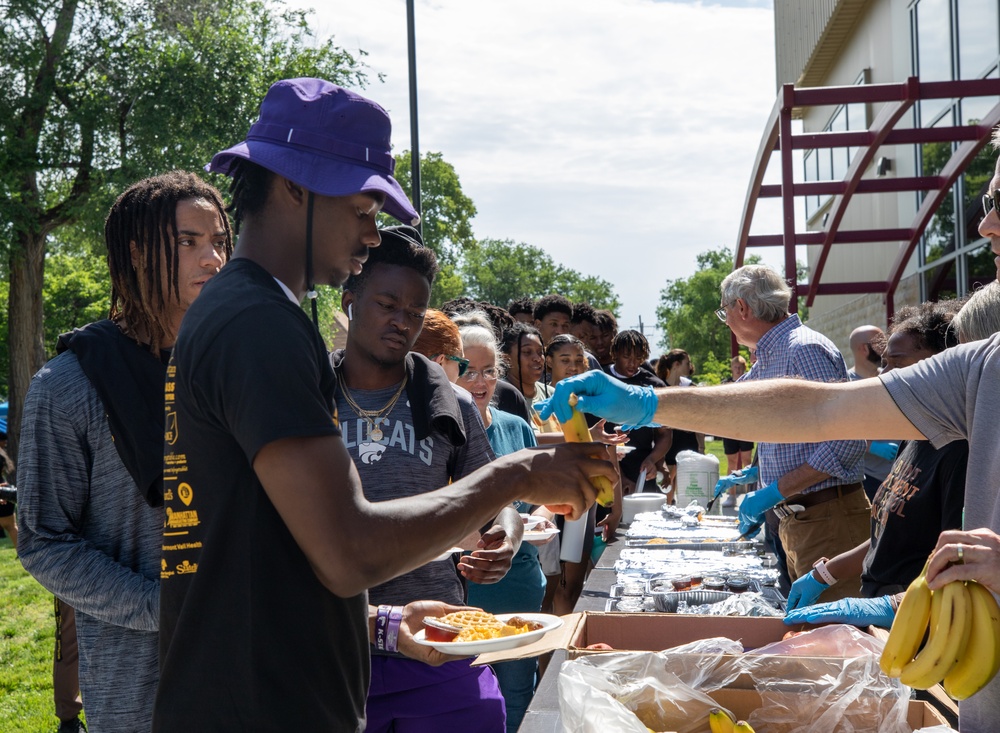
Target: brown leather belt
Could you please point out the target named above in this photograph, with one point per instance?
(818, 497)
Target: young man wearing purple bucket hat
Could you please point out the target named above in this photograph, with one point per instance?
(269, 543)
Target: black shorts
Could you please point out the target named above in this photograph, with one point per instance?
(731, 445)
(683, 440)
(6, 509)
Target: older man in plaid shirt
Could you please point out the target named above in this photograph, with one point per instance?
(815, 489)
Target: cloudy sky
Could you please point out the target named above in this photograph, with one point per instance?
(617, 135)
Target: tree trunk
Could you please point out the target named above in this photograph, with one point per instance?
(25, 326)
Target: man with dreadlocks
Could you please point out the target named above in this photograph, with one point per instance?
(270, 544)
(91, 463)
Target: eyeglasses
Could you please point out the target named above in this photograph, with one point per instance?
(720, 313)
(991, 201)
(463, 364)
(489, 374)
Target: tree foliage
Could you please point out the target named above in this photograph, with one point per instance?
(498, 271)
(446, 214)
(95, 94)
(686, 314)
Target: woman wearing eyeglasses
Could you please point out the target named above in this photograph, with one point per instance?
(522, 589)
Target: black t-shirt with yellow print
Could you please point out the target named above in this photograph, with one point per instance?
(249, 637)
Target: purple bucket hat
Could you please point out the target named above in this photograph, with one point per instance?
(325, 138)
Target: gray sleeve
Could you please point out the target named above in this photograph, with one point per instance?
(83, 526)
(937, 394)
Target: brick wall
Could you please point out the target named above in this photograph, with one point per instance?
(837, 325)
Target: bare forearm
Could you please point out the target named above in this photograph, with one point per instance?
(353, 544)
(799, 479)
(394, 537)
(850, 563)
(787, 411)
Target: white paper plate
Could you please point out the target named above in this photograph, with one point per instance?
(530, 520)
(540, 534)
(471, 648)
(624, 449)
(447, 555)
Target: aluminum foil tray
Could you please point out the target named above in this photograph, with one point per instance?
(668, 602)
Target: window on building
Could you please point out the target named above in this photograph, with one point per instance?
(979, 35)
(955, 39)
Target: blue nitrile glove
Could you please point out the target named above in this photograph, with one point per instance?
(855, 611)
(884, 449)
(755, 503)
(603, 396)
(742, 477)
(805, 591)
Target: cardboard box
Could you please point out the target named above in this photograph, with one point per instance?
(743, 702)
(645, 632)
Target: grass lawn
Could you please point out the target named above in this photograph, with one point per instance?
(27, 633)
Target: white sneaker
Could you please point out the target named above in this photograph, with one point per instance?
(729, 501)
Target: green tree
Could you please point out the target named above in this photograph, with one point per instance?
(686, 314)
(95, 94)
(446, 216)
(498, 271)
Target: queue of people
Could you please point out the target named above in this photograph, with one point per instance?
(212, 511)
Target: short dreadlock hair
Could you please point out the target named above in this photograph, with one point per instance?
(146, 215)
(402, 246)
(630, 342)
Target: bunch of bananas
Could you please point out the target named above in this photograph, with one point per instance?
(575, 430)
(720, 721)
(962, 625)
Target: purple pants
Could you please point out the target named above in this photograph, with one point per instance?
(407, 696)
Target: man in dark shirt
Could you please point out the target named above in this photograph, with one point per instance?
(409, 430)
(269, 543)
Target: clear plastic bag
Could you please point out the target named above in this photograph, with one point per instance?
(627, 692)
(669, 690)
(833, 640)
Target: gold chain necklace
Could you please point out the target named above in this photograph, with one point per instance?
(372, 416)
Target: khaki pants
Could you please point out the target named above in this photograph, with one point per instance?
(826, 530)
(65, 676)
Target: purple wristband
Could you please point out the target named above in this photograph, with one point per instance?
(392, 630)
(381, 626)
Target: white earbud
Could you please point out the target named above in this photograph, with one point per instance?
(350, 311)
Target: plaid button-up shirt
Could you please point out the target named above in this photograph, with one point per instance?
(790, 349)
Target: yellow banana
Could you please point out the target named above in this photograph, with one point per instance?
(908, 627)
(982, 657)
(720, 721)
(742, 727)
(949, 635)
(575, 430)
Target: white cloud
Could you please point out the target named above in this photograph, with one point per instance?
(618, 136)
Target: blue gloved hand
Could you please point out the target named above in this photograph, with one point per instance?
(855, 611)
(742, 477)
(805, 591)
(884, 449)
(755, 503)
(603, 396)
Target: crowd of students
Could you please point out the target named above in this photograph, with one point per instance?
(252, 529)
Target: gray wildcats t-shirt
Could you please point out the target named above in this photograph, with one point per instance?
(955, 395)
(400, 465)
